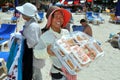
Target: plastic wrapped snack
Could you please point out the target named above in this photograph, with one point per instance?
(65, 44)
(80, 36)
(79, 53)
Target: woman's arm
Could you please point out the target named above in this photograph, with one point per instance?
(50, 52)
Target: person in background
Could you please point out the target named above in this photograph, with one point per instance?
(57, 19)
(87, 29)
(31, 32)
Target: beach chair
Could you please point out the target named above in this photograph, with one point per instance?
(97, 18)
(89, 16)
(41, 15)
(5, 32)
(3, 44)
(4, 55)
(77, 28)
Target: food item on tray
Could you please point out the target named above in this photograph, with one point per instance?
(65, 45)
(70, 42)
(60, 41)
(65, 48)
(79, 38)
(90, 52)
(84, 58)
(77, 69)
(97, 47)
(80, 54)
(85, 37)
(62, 53)
(77, 51)
(70, 64)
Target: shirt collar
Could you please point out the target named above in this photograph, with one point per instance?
(57, 35)
(28, 22)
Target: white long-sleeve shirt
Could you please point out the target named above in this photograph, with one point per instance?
(48, 38)
(31, 32)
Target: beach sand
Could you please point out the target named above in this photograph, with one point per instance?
(106, 67)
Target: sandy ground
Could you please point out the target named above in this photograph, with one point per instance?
(104, 68)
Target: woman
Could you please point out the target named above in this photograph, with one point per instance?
(31, 32)
(57, 19)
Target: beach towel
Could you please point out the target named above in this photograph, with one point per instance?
(14, 63)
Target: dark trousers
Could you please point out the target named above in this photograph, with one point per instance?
(27, 63)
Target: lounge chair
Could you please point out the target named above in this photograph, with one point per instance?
(41, 15)
(97, 18)
(77, 28)
(3, 43)
(89, 17)
(5, 32)
(4, 55)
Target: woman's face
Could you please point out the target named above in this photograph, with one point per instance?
(57, 20)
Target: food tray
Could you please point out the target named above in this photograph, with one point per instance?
(76, 55)
(68, 62)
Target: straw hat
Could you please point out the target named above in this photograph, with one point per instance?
(52, 9)
(27, 9)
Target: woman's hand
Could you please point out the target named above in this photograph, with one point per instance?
(50, 52)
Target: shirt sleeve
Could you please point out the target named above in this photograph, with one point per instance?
(33, 37)
(40, 50)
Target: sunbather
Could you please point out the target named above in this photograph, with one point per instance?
(87, 29)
